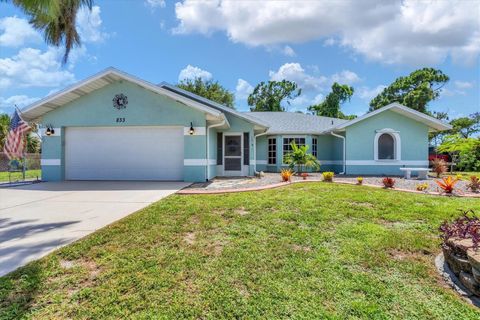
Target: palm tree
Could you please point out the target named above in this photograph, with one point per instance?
(56, 19)
(300, 158)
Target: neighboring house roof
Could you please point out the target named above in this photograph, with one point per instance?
(295, 123)
(38, 109)
(213, 104)
(433, 123)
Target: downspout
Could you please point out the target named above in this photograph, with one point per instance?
(206, 154)
(255, 151)
(344, 151)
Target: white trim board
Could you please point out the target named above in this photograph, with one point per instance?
(199, 162)
(397, 144)
(50, 162)
(387, 163)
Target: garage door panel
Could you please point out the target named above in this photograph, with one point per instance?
(124, 153)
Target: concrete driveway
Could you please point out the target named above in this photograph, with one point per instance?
(36, 219)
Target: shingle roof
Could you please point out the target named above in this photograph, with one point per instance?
(294, 123)
(210, 103)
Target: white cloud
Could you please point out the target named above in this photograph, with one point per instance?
(288, 51)
(295, 72)
(155, 3)
(89, 25)
(463, 84)
(410, 31)
(34, 68)
(314, 85)
(16, 32)
(368, 94)
(191, 72)
(243, 89)
(18, 100)
(346, 77)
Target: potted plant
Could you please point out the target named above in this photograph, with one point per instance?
(300, 158)
(304, 175)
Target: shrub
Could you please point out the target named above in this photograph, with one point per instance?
(467, 226)
(300, 158)
(459, 176)
(422, 186)
(286, 174)
(388, 182)
(304, 175)
(328, 176)
(359, 180)
(474, 184)
(439, 166)
(447, 184)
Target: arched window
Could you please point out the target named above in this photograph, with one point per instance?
(386, 147)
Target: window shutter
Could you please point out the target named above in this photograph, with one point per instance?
(246, 148)
(219, 148)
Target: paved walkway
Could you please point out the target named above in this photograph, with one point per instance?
(38, 218)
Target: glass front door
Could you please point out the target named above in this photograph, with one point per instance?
(232, 157)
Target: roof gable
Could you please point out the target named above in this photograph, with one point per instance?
(431, 122)
(99, 80)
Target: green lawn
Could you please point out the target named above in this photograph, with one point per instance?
(315, 250)
(29, 174)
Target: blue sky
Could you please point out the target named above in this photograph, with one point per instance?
(365, 44)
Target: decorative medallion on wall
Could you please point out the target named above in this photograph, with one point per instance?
(120, 101)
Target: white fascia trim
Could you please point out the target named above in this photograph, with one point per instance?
(427, 119)
(57, 133)
(199, 162)
(387, 163)
(128, 77)
(197, 131)
(50, 162)
(339, 162)
(397, 144)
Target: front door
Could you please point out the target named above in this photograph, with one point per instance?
(232, 155)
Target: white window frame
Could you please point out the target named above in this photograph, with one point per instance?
(291, 137)
(397, 144)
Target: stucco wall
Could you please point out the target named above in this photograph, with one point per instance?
(360, 144)
(145, 108)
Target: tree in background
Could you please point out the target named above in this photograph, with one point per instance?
(466, 126)
(414, 91)
(330, 107)
(56, 19)
(269, 96)
(464, 151)
(208, 89)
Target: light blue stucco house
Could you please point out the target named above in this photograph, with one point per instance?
(114, 126)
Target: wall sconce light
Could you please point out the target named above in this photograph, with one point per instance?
(192, 130)
(49, 130)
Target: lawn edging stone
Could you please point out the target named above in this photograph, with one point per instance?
(464, 262)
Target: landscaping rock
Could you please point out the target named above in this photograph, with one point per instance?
(460, 247)
(474, 258)
(455, 262)
(476, 274)
(470, 283)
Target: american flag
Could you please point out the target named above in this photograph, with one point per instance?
(14, 143)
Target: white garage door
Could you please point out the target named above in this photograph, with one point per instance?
(124, 153)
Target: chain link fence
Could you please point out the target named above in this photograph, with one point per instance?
(12, 170)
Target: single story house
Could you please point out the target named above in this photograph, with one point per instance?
(114, 126)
